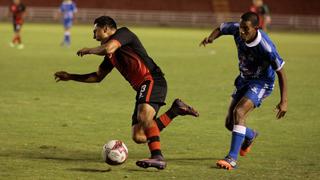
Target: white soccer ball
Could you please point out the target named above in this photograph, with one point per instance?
(115, 152)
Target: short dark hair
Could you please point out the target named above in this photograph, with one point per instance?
(105, 21)
(252, 17)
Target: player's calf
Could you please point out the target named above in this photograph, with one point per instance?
(139, 139)
(138, 135)
(247, 144)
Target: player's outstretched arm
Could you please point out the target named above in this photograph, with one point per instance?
(283, 105)
(214, 35)
(105, 49)
(94, 77)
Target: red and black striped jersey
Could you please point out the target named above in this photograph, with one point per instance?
(17, 11)
(131, 59)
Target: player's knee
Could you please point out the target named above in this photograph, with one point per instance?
(144, 118)
(239, 115)
(139, 139)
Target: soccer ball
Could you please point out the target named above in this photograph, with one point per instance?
(115, 152)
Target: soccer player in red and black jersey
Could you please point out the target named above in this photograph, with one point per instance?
(17, 9)
(123, 50)
(262, 10)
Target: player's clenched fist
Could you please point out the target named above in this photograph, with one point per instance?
(206, 41)
(61, 76)
(83, 51)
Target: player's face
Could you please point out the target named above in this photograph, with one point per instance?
(98, 33)
(16, 1)
(247, 31)
(101, 33)
(258, 3)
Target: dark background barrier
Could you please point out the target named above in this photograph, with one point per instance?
(299, 7)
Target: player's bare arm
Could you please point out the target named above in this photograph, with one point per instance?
(94, 77)
(283, 105)
(214, 35)
(105, 49)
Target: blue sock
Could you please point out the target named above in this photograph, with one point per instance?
(67, 39)
(238, 135)
(249, 133)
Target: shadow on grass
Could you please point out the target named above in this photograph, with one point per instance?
(181, 161)
(191, 159)
(152, 170)
(215, 167)
(91, 170)
(67, 158)
(53, 153)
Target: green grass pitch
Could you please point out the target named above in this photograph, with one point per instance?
(52, 130)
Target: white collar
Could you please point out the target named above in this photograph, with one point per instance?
(256, 41)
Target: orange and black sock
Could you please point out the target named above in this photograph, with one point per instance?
(165, 119)
(15, 39)
(19, 39)
(153, 137)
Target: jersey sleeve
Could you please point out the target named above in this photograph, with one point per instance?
(229, 28)
(276, 61)
(124, 36)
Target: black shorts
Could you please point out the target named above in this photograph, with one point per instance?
(17, 27)
(152, 92)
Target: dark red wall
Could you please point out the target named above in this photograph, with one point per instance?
(163, 5)
(303, 7)
(306, 7)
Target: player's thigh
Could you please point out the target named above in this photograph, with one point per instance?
(229, 122)
(242, 109)
(238, 93)
(67, 23)
(146, 113)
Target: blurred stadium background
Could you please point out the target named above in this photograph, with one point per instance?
(54, 130)
(286, 14)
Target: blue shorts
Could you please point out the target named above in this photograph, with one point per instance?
(255, 90)
(67, 22)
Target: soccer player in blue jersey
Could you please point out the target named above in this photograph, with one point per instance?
(259, 61)
(67, 9)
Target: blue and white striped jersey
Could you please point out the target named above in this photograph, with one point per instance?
(258, 59)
